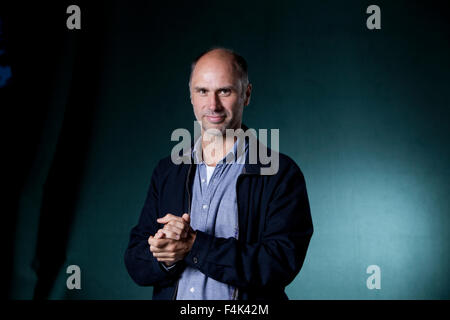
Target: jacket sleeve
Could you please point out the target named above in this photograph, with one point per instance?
(143, 268)
(277, 257)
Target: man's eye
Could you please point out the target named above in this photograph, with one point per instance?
(225, 91)
(202, 91)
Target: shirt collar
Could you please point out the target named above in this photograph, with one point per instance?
(230, 157)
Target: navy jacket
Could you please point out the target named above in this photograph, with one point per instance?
(275, 228)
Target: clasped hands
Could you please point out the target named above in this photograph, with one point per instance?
(174, 241)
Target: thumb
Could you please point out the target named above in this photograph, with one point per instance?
(186, 217)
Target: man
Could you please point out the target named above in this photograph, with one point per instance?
(216, 228)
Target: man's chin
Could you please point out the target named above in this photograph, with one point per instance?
(221, 127)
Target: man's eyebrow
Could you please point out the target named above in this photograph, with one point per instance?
(227, 88)
(200, 88)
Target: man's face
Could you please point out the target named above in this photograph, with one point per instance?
(216, 93)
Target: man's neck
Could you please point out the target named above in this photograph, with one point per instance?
(215, 148)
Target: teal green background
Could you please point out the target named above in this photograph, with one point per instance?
(363, 113)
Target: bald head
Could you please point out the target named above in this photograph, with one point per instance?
(226, 58)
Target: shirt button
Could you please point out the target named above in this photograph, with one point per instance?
(192, 290)
(195, 259)
(203, 180)
(205, 206)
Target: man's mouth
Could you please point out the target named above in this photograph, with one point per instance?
(215, 119)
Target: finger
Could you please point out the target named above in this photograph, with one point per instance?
(167, 218)
(159, 243)
(166, 249)
(170, 261)
(182, 228)
(159, 234)
(171, 235)
(186, 217)
(174, 229)
(150, 238)
(177, 223)
(156, 249)
(164, 255)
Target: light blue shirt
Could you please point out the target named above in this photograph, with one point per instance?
(214, 211)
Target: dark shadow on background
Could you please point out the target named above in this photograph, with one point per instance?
(63, 183)
(31, 48)
(35, 37)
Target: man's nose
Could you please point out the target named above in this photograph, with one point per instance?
(214, 102)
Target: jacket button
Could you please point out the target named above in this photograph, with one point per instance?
(195, 259)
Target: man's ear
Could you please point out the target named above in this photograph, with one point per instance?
(248, 94)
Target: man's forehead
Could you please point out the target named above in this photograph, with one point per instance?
(220, 61)
(214, 82)
(213, 71)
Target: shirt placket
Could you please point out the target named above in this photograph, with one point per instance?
(207, 193)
